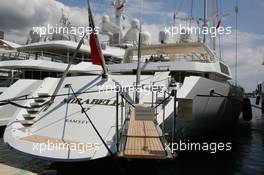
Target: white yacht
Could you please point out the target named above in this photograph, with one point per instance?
(49, 56)
(182, 90)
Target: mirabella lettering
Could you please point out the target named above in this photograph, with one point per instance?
(94, 101)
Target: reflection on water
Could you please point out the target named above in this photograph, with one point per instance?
(246, 157)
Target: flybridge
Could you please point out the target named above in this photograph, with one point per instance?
(172, 52)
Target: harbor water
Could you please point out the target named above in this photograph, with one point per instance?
(245, 158)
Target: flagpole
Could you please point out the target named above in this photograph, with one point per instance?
(96, 50)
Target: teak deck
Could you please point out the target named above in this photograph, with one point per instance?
(143, 140)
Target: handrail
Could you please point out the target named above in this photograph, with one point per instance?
(122, 95)
(163, 101)
(18, 55)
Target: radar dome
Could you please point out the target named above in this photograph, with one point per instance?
(164, 37)
(135, 23)
(105, 18)
(145, 38)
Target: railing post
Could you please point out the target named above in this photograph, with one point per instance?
(152, 98)
(122, 111)
(156, 110)
(117, 134)
(163, 115)
(134, 92)
(174, 114)
(173, 90)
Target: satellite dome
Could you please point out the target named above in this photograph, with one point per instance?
(105, 18)
(146, 38)
(135, 23)
(164, 37)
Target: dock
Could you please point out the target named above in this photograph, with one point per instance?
(143, 140)
(8, 170)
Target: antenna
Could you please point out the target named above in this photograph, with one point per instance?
(63, 19)
(176, 10)
(205, 19)
(191, 17)
(119, 6)
(139, 57)
(214, 15)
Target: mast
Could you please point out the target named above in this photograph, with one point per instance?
(119, 9)
(205, 19)
(138, 66)
(119, 6)
(214, 15)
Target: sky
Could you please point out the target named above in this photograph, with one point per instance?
(154, 14)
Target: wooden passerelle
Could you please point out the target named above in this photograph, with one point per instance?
(143, 140)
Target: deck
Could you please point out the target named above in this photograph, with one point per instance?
(143, 140)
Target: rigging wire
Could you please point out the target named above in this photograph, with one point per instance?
(176, 11)
(191, 12)
(91, 122)
(12, 101)
(236, 10)
(219, 12)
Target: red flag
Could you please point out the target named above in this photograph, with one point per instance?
(94, 50)
(120, 7)
(218, 24)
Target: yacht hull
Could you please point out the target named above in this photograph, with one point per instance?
(62, 132)
(210, 113)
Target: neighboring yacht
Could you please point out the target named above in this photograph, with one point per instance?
(212, 100)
